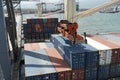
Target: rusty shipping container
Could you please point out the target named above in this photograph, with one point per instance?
(78, 74)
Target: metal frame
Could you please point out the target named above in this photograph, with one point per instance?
(4, 53)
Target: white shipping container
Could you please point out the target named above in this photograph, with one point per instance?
(105, 56)
(104, 51)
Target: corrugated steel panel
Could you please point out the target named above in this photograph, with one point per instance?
(111, 38)
(34, 78)
(86, 55)
(65, 75)
(35, 46)
(92, 58)
(96, 44)
(104, 51)
(115, 56)
(67, 41)
(115, 52)
(115, 34)
(78, 74)
(49, 45)
(103, 41)
(75, 55)
(37, 62)
(52, 76)
(115, 47)
(103, 72)
(68, 75)
(27, 46)
(91, 73)
(116, 78)
(57, 60)
(115, 70)
(37, 27)
(42, 45)
(53, 36)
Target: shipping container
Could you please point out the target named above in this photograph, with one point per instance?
(35, 46)
(103, 41)
(67, 41)
(115, 34)
(42, 45)
(115, 70)
(84, 54)
(51, 76)
(114, 50)
(77, 54)
(65, 75)
(37, 30)
(110, 36)
(37, 62)
(91, 73)
(78, 74)
(103, 72)
(57, 60)
(104, 51)
(116, 78)
(34, 78)
(28, 47)
(49, 45)
(115, 56)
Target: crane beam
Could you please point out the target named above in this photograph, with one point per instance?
(69, 9)
(94, 10)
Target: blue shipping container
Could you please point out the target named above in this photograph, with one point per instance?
(92, 58)
(34, 78)
(91, 73)
(52, 76)
(77, 56)
(115, 70)
(103, 72)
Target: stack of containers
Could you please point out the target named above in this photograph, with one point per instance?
(104, 58)
(111, 41)
(79, 57)
(39, 29)
(61, 67)
(37, 62)
(36, 26)
(45, 64)
(27, 31)
(114, 38)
